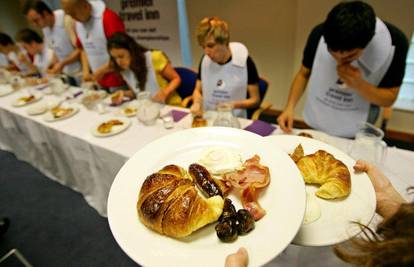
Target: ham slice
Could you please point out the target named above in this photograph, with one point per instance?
(251, 177)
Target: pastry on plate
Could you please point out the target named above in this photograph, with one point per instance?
(106, 127)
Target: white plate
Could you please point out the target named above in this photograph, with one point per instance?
(37, 109)
(115, 129)
(6, 89)
(334, 225)
(50, 118)
(19, 103)
(283, 200)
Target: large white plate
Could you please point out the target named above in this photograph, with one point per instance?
(6, 89)
(19, 103)
(335, 224)
(284, 201)
(115, 129)
(50, 118)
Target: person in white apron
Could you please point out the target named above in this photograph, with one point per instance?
(95, 23)
(225, 71)
(353, 63)
(58, 31)
(143, 69)
(16, 55)
(43, 56)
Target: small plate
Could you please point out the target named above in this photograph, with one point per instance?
(20, 103)
(129, 111)
(37, 109)
(6, 89)
(115, 129)
(50, 118)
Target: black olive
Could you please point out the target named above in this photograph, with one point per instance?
(227, 230)
(229, 211)
(245, 222)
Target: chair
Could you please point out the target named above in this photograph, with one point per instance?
(188, 82)
(254, 113)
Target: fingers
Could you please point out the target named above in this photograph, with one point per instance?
(361, 166)
(285, 122)
(238, 259)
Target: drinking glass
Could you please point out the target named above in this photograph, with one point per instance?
(368, 144)
(147, 111)
(225, 117)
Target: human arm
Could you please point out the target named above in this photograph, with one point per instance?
(86, 73)
(174, 81)
(252, 101)
(72, 57)
(238, 259)
(285, 120)
(197, 106)
(102, 70)
(388, 199)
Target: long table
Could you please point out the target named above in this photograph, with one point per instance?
(67, 152)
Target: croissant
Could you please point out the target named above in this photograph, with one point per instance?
(324, 169)
(170, 204)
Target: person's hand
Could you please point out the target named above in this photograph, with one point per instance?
(238, 259)
(117, 98)
(160, 97)
(350, 75)
(55, 69)
(285, 120)
(196, 109)
(388, 199)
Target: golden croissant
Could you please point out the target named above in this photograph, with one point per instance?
(170, 204)
(324, 169)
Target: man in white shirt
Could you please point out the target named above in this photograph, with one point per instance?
(59, 34)
(43, 56)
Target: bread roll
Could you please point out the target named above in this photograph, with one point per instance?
(170, 204)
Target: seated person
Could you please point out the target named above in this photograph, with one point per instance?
(226, 73)
(43, 57)
(143, 69)
(353, 63)
(16, 55)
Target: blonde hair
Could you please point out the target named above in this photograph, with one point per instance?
(213, 26)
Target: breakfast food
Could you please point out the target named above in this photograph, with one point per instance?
(130, 111)
(26, 99)
(58, 112)
(312, 211)
(304, 134)
(198, 121)
(106, 127)
(220, 160)
(324, 169)
(252, 177)
(169, 203)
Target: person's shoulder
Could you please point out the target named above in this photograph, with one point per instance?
(397, 36)
(159, 59)
(317, 32)
(109, 13)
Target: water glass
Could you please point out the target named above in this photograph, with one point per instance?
(225, 117)
(368, 144)
(147, 111)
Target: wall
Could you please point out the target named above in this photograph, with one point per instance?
(11, 18)
(275, 31)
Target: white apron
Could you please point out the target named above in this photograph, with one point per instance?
(151, 84)
(338, 111)
(59, 41)
(225, 83)
(42, 60)
(92, 36)
(3, 60)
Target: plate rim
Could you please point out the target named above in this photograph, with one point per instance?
(75, 110)
(37, 98)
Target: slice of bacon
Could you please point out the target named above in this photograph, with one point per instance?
(248, 180)
(252, 173)
(249, 197)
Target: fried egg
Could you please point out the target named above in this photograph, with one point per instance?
(220, 160)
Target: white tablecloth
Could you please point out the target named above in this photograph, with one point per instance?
(67, 152)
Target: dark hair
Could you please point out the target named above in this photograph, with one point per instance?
(28, 36)
(138, 61)
(349, 25)
(5, 39)
(391, 245)
(36, 5)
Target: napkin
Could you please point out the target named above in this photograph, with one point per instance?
(178, 114)
(260, 127)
